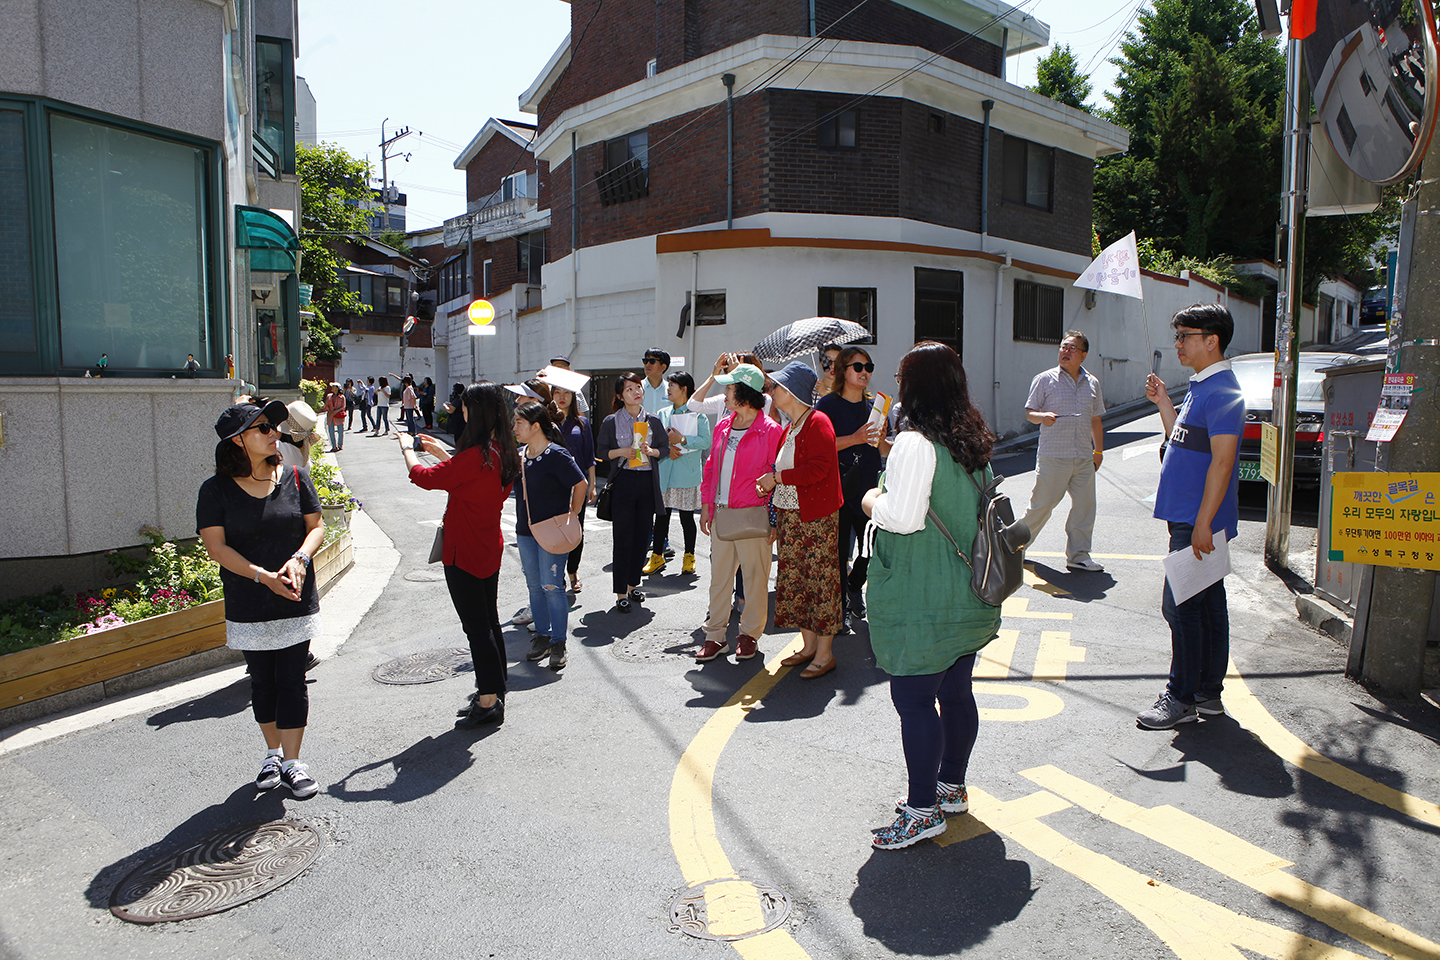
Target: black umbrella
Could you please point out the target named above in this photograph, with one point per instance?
(803, 336)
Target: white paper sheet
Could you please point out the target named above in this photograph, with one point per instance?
(564, 379)
(1189, 576)
(685, 424)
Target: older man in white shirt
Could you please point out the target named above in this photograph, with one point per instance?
(1067, 404)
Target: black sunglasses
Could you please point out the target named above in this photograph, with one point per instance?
(265, 428)
(651, 360)
(827, 363)
(857, 366)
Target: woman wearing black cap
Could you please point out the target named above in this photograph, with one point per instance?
(261, 522)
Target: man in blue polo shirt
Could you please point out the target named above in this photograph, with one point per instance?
(1198, 496)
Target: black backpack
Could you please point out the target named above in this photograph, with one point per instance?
(996, 560)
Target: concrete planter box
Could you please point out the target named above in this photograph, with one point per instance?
(60, 676)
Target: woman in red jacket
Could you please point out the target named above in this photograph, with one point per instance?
(807, 500)
(478, 479)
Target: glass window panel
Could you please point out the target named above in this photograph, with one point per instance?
(17, 284)
(130, 247)
(1013, 190)
(847, 123)
(1037, 176)
(270, 94)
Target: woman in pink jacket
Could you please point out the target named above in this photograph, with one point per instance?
(744, 448)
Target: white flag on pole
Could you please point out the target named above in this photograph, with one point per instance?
(1116, 270)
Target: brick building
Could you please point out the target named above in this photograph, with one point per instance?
(746, 165)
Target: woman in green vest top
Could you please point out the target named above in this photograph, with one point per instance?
(926, 624)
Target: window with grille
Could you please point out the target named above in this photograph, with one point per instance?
(627, 169)
(1039, 312)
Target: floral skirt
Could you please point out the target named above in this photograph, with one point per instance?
(682, 498)
(807, 583)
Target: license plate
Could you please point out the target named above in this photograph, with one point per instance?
(1250, 470)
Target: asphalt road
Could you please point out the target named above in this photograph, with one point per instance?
(635, 772)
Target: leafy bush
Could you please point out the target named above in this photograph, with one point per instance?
(331, 487)
(314, 393)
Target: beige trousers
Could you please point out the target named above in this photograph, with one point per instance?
(752, 557)
(1054, 479)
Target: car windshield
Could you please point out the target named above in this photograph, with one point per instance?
(1257, 381)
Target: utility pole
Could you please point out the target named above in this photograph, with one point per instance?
(1288, 303)
(1402, 599)
(385, 170)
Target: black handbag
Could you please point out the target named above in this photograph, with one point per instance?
(996, 559)
(602, 503)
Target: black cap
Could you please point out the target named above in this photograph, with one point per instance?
(241, 417)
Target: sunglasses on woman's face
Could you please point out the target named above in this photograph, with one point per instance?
(265, 428)
(827, 363)
(859, 367)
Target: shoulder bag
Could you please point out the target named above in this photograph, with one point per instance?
(559, 534)
(996, 560)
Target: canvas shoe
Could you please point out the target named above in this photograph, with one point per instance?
(711, 650)
(1085, 566)
(1166, 713)
(910, 827)
(296, 776)
(269, 777)
(523, 617)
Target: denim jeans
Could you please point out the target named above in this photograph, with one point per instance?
(545, 576)
(337, 434)
(382, 413)
(1199, 634)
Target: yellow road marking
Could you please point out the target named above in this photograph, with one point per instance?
(1099, 556)
(1192, 927)
(1056, 653)
(729, 907)
(1238, 859)
(1032, 579)
(1039, 704)
(1019, 607)
(993, 663)
(1247, 710)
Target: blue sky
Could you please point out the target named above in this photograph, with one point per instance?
(443, 67)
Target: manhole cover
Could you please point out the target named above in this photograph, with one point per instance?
(731, 909)
(426, 576)
(220, 870)
(425, 667)
(643, 647)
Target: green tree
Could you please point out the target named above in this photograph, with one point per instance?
(1058, 77)
(333, 185)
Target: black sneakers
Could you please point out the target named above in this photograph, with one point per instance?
(297, 777)
(557, 655)
(539, 647)
(479, 716)
(269, 777)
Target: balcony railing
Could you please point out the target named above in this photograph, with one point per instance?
(488, 219)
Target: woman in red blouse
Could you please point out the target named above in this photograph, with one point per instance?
(807, 500)
(478, 479)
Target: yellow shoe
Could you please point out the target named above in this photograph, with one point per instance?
(689, 565)
(657, 562)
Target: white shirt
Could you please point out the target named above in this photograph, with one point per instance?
(1215, 367)
(909, 475)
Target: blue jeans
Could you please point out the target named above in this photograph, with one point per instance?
(337, 434)
(382, 413)
(545, 576)
(1199, 634)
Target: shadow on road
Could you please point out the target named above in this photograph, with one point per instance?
(225, 702)
(978, 890)
(1230, 750)
(419, 770)
(1078, 586)
(245, 805)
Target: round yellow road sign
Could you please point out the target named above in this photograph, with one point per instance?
(482, 312)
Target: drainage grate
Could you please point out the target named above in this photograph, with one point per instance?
(734, 908)
(220, 870)
(655, 647)
(425, 667)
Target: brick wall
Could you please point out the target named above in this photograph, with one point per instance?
(880, 21)
(687, 179)
(499, 158)
(939, 172)
(806, 178)
(615, 47)
(1067, 225)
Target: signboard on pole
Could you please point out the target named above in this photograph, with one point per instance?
(1386, 519)
(1269, 443)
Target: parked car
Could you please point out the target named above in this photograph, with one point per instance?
(1256, 373)
(1370, 340)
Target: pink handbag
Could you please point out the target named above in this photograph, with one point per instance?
(555, 534)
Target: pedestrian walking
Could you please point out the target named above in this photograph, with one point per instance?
(681, 471)
(477, 478)
(550, 485)
(859, 444)
(261, 522)
(382, 408)
(454, 414)
(580, 441)
(634, 443)
(804, 490)
(1067, 404)
(926, 623)
(1198, 496)
(409, 405)
(335, 421)
(351, 406)
(742, 449)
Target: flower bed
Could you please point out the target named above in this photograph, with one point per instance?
(65, 643)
